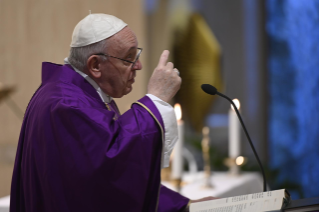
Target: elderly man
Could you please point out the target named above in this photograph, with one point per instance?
(76, 152)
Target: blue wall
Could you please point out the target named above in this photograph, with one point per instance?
(293, 32)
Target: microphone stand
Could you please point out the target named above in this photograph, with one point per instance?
(251, 144)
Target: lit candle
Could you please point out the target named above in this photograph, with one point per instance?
(234, 131)
(177, 163)
(205, 149)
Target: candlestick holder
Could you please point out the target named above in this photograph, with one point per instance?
(207, 178)
(233, 168)
(177, 183)
(234, 164)
(166, 173)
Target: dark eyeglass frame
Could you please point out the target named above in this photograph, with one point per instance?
(133, 62)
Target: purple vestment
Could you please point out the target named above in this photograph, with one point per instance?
(73, 157)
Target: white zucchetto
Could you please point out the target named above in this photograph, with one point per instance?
(94, 28)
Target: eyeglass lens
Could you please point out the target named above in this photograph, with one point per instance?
(138, 53)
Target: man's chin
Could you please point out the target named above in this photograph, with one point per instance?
(128, 90)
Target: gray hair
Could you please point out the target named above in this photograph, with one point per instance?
(79, 55)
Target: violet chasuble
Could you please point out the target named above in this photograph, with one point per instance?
(74, 157)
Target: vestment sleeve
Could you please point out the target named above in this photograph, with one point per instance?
(170, 127)
(168, 200)
(171, 201)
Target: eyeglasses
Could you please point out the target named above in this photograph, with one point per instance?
(138, 53)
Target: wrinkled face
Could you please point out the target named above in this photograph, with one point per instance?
(117, 76)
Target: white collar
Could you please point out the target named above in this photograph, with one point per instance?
(105, 98)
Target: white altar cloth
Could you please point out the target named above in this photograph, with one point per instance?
(4, 204)
(224, 185)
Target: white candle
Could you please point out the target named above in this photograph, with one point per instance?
(177, 163)
(234, 131)
(205, 149)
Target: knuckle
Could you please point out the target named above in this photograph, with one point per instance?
(167, 71)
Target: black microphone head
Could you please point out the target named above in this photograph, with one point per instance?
(207, 88)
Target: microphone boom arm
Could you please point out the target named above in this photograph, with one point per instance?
(250, 142)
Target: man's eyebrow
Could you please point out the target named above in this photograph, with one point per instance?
(133, 47)
(130, 49)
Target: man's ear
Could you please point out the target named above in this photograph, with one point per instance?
(93, 64)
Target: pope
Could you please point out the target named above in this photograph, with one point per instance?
(76, 152)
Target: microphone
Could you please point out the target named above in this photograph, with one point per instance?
(209, 89)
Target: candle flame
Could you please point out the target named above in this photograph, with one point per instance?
(240, 160)
(178, 111)
(237, 103)
(205, 130)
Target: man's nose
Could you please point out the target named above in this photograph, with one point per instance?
(138, 65)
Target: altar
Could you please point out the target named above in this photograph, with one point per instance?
(223, 184)
(4, 204)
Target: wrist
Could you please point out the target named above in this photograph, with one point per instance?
(161, 97)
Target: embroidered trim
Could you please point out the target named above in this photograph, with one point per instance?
(107, 106)
(187, 206)
(159, 124)
(148, 110)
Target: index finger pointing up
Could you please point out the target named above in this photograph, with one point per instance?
(163, 59)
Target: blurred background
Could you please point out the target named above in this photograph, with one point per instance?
(263, 52)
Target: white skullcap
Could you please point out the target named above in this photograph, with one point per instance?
(94, 28)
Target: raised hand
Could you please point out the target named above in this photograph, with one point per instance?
(165, 81)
